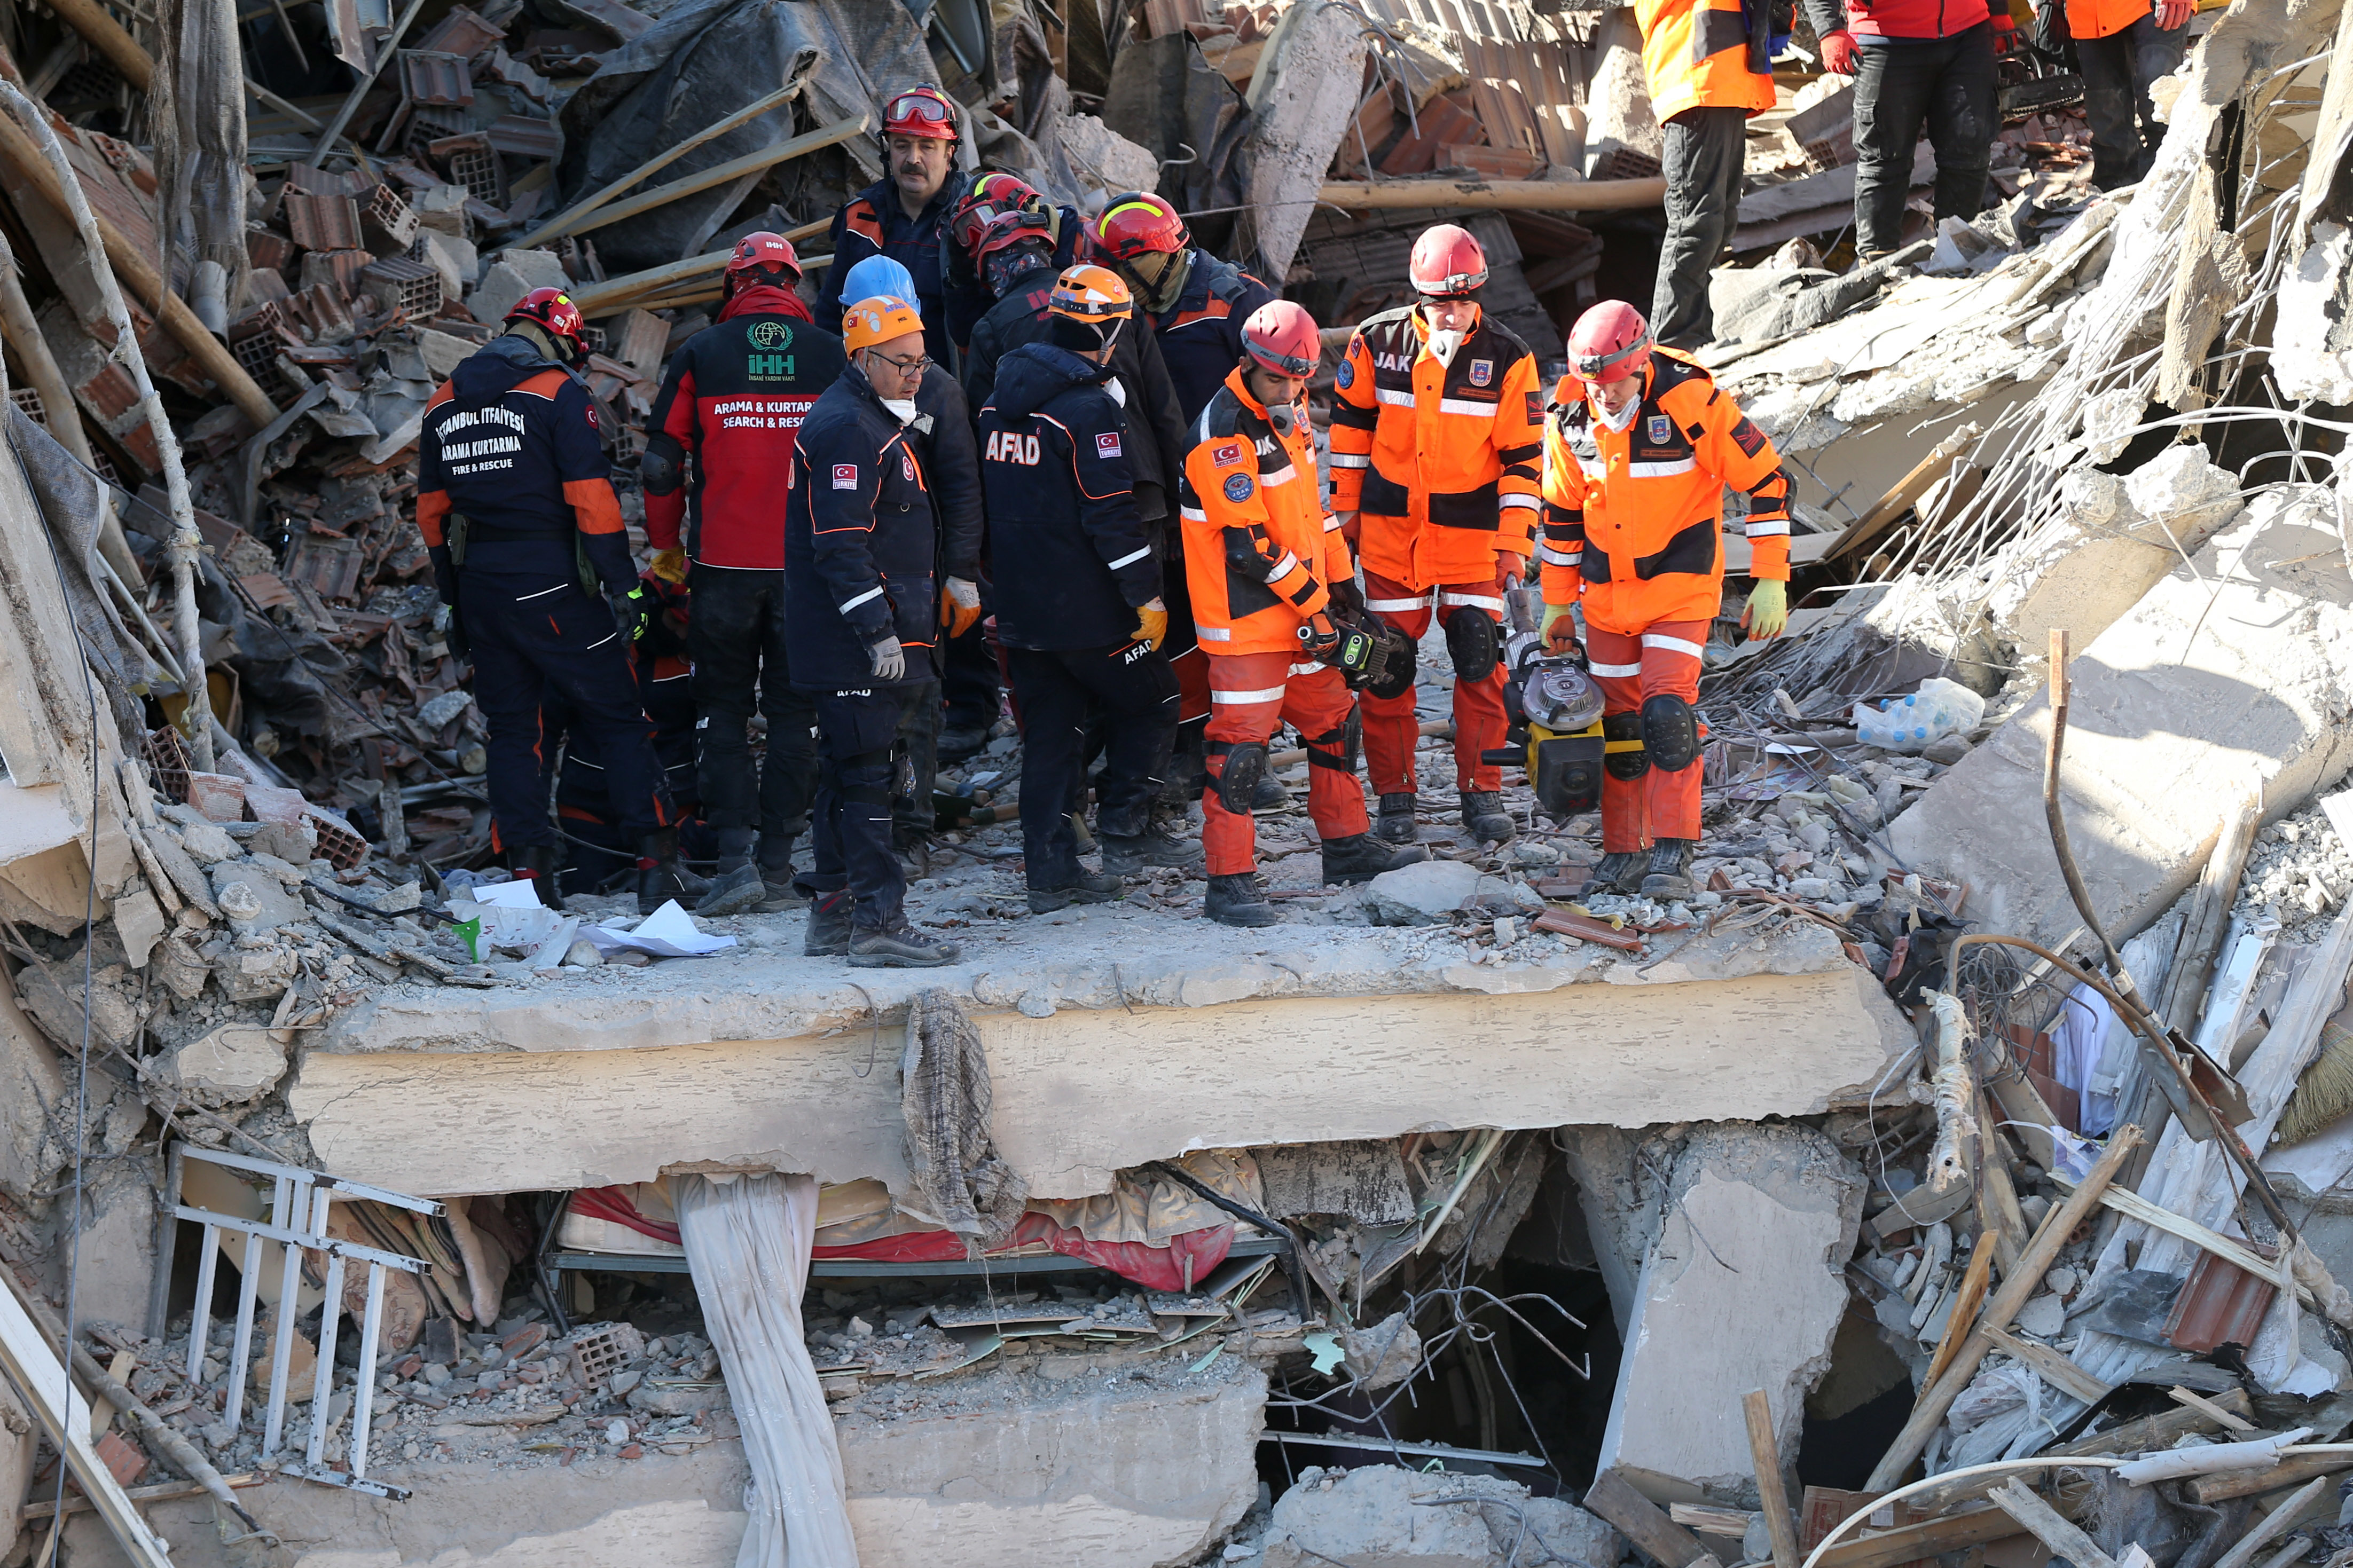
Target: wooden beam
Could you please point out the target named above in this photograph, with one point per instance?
(2277, 1523)
(1906, 490)
(1644, 1523)
(2196, 1401)
(2051, 1366)
(1965, 1302)
(1517, 195)
(1930, 1538)
(107, 36)
(1765, 1453)
(720, 173)
(614, 293)
(2017, 1500)
(562, 223)
(163, 1491)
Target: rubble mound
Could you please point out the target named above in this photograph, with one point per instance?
(1386, 1517)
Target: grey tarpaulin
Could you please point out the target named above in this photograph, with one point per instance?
(703, 61)
(747, 1241)
(209, 186)
(1166, 96)
(944, 1095)
(72, 501)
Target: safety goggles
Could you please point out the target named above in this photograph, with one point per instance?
(917, 106)
(1282, 364)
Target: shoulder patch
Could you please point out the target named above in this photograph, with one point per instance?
(1748, 437)
(845, 476)
(1238, 487)
(1107, 444)
(1344, 376)
(1535, 407)
(1662, 429)
(1227, 454)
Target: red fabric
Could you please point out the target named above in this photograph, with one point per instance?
(1391, 728)
(766, 300)
(1185, 1262)
(1915, 19)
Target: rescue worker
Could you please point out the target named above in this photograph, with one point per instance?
(1196, 303)
(515, 500)
(860, 537)
(903, 215)
(1265, 562)
(1079, 607)
(733, 400)
(1709, 70)
(1436, 437)
(1915, 62)
(2123, 47)
(989, 196)
(1639, 444)
(594, 849)
(942, 435)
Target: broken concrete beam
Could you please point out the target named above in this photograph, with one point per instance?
(736, 1059)
(1303, 98)
(32, 1084)
(1383, 1516)
(227, 1065)
(510, 275)
(1756, 1225)
(2240, 674)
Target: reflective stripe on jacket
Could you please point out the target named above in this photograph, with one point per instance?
(1259, 550)
(1699, 54)
(1631, 516)
(1439, 460)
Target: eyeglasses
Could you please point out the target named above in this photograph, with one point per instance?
(919, 106)
(914, 367)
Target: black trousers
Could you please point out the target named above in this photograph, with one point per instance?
(970, 681)
(851, 826)
(1703, 151)
(536, 636)
(2117, 71)
(735, 635)
(1135, 696)
(1945, 85)
(912, 814)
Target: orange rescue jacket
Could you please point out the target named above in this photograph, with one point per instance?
(1632, 516)
(1259, 550)
(1699, 55)
(1439, 460)
(2102, 18)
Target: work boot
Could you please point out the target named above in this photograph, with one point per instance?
(1396, 823)
(1616, 873)
(1669, 874)
(778, 891)
(1128, 854)
(1269, 796)
(660, 877)
(1360, 858)
(1090, 888)
(827, 933)
(737, 888)
(1236, 901)
(535, 863)
(960, 745)
(1483, 814)
(899, 946)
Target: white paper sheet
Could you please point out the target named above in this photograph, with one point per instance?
(668, 932)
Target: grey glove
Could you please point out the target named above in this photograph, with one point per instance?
(889, 659)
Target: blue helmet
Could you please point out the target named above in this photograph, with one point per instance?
(880, 275)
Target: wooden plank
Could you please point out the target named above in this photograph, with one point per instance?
(1644, 1523)
(2016, 1499)
(1930, 1538)
(2147, 1434)
(2288, 1472)
(2051, 1366)
(720, 173)
(2196, 1401)
(161, 1492)
(1765, 1453)
(1967, 1301)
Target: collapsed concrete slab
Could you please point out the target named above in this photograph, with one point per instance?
(769, 1062)
(2236, 676)
(1008, 1471)
(1383, 1516)
(1753, 1231)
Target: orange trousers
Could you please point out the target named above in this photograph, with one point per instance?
(1660, 661)
(1252, 695)
(1390, 731)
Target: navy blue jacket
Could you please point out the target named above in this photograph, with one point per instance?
(859, 537)
(951, 458)
(1201, 337)
(872, 223)
(1069, 559)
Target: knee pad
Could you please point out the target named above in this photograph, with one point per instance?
(1621, 764)
(1473, 641)
(1238, 782)
(1337, 747)
(1669, 733)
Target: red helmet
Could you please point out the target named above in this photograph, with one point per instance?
(1447, 264)
(1139, 223)
(920, 111)
(762, 252)
(1010, 229)
(1281, 336)
(553, 310)
(1609, 341)
(992, 196)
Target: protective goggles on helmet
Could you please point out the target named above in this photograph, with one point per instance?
(921, 106)
(1281, 363)
(1597, 368)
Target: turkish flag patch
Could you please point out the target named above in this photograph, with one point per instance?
(1227, 455)
(1107, 444)
(845, 476)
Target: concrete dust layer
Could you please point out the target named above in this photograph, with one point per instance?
(2239, 677)
(1755, 1227)
(1082, 1094)
(1112, 1477)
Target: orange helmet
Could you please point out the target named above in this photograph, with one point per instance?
(1609, 341)
(1281, 336)
(993, 194)
(923, 110)
(762, 252)
(1139, 223)
(1091, 294)
(1447, 264)
(881, 319)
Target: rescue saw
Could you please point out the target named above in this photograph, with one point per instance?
(1553, 709)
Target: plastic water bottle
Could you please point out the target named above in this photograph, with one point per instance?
(1938, 709)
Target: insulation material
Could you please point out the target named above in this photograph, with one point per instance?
(747, 1245)
(213, 181)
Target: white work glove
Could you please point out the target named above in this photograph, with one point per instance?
(965, 592)
(889, 659)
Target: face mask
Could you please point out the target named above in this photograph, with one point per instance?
(903, 408)
(1623, 417)
(1281, 416)
(1444, 344)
